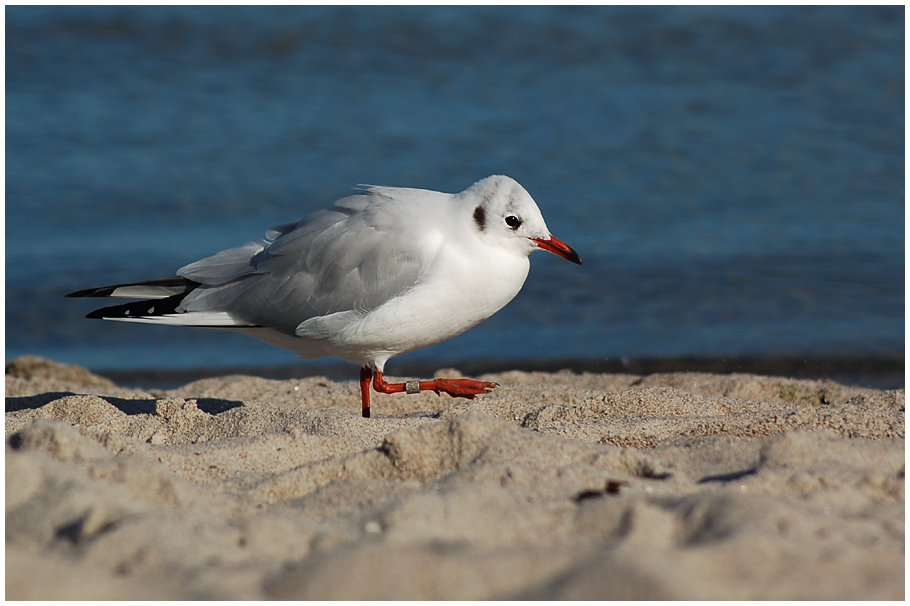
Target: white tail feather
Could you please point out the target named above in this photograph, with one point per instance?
(139, 291)
(218, 319)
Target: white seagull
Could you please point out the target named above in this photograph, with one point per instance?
(386, 271)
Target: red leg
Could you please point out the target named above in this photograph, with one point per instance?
(366, 375)
(457, 388)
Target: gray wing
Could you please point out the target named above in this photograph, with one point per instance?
(351, 258)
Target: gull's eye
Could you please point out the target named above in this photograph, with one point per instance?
(513, 221)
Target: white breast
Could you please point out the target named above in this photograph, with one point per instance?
(464, 288)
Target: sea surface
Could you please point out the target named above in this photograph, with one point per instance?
(733, 178)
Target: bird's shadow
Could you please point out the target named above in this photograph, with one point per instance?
(212, 406)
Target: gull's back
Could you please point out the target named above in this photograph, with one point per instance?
(355, 256)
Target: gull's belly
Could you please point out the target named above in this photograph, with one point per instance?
(459, 296)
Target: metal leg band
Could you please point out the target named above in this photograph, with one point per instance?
(412, 386)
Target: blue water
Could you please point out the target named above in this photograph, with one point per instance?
(733, 178)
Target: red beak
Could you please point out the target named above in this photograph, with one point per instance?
(560, 248)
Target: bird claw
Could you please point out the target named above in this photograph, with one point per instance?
(463, 388)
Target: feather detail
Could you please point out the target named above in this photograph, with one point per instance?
(150, 289)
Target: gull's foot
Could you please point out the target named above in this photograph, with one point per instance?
(462, 388)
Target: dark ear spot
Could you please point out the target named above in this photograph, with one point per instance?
(480, 217)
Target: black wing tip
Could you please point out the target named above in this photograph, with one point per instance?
(107, 291)
(137, 309)
(88, 292)
(149, 308)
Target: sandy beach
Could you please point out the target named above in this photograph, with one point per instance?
(555, 486)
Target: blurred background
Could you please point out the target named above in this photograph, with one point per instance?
(733, 178)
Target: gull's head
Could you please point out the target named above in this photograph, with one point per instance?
(504, 214)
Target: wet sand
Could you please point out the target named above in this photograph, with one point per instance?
(557, 485)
